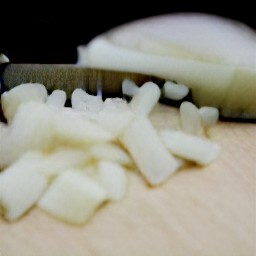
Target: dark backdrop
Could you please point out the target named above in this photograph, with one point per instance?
(41, 32)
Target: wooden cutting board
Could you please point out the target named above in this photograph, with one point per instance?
(199, 211)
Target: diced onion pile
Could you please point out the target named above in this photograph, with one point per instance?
(70, 160)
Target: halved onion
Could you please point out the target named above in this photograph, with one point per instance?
(214, 56)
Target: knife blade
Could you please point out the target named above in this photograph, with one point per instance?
(67, 77)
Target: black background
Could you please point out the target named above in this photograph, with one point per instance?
(41, 32)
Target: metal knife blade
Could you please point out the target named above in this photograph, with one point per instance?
(68, 77)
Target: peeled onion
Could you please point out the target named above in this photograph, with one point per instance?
(214, 56)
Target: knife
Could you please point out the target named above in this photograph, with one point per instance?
(68, 77)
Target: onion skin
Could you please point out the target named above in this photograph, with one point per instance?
(214, 56)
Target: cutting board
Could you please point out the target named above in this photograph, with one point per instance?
(206, 211)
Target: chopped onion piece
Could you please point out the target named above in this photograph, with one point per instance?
(72, 197)
(31, 129)
(129, 88)
(57, 98)
(199, 150)
(18, 95)
(175, 91)
(110, 152)
(145, 100)
(209, 116)
(3, 59)
(114, 116)
(149, 153)
(21, 185)
(111, 176)
(83, 101)
(62, 159)
(190, 118)
(73, 128)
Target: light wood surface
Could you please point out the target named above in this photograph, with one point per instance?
(199, 211)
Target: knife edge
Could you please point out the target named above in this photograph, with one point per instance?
(68, 77)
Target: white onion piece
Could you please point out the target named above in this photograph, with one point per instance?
(145, 99)
(148, 152)
(57, 98)
(11, 100)
(78, 96)
(83, 101)
(199, 150)
(62, 159)
(3, 59)
(115, 116)
(110, 152)
(199, 50)
(72, 197)
(25, 134)
(209, 116)
(129, 88)
(21, 185)
(175, 91)
(190, 118)
(111, 177)
(72, 128)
